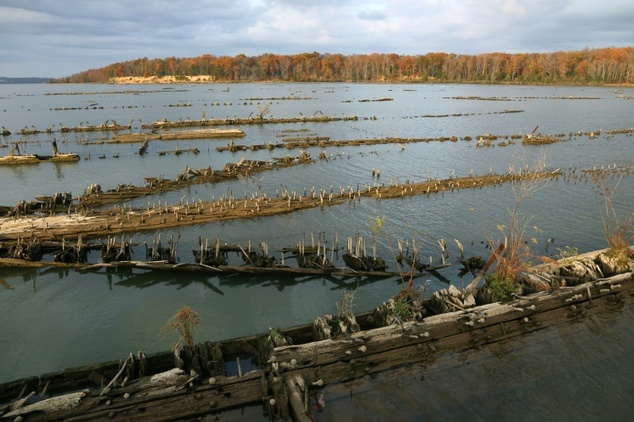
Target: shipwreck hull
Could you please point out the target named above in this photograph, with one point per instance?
(287, 371)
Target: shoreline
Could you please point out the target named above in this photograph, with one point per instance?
(209, 79)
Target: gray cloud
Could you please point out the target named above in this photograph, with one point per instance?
(372, 15)
(62, 37)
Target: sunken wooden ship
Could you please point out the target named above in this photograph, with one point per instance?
(286, 371)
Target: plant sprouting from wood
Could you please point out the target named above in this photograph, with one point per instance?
(567, 252)
(377, 226)
(617, 229)
(263, 111)
(346, 318)
(501, 287)
(345, 304)
(515, 254)
(184, 322)
(406, 305)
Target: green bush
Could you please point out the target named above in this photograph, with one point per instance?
(502, 287)
(568, 252)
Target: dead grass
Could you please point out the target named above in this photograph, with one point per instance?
(184, 322)
(516, 255)
(617, 229)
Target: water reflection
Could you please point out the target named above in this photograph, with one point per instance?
(570, 371)
(140, 279)
(5, 285)
(30, 277)
(21, 173)
(59, 272)
(59, 174)
(132, 279)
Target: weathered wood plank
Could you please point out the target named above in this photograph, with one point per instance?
(436, 327)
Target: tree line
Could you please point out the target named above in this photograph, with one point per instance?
(589, 66)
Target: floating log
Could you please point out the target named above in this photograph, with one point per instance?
(20, 159)
(14, 157)
(127, 138)
(36, 159)
(202, 134)
(531, 139)
(62, 157)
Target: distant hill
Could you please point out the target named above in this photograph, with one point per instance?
(7, 80)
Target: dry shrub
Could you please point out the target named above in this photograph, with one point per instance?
(345, 304)
(617, 229)
(516, 255)
(183, 322)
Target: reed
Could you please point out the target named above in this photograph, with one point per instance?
(514, 255)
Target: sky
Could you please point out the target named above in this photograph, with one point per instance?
(56, 38)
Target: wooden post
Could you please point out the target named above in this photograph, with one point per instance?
(281, 397)
(296, 397)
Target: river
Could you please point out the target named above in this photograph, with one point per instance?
(53, 319)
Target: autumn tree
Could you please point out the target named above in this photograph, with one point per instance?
(608, 65)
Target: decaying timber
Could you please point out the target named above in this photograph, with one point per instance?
(130, 138)
(202, 134)
(15, 157)
(105, 126)
(539, 140)
(230, 121)
(178, 135)
(114, 258)
(128, 220)
(294, 364)
(214, 258)
(153, 185)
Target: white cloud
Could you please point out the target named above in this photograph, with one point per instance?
(513, 7)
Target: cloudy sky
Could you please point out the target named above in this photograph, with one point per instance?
(61, 37)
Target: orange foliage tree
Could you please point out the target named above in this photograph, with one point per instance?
(601, 66)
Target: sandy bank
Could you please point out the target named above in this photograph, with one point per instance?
(128, 80)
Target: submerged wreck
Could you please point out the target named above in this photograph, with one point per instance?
(15, 157)
(286, 370)
(310, 260)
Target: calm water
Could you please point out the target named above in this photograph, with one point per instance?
(576, 371)
(53, 319)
